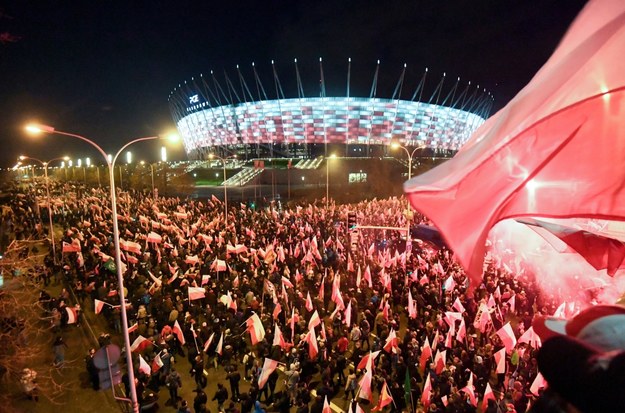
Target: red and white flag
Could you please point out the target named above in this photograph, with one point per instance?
(364, 362)
(140, 344)
(157, 363)
(488, 395)
(278, 338)
(219, 265)
(412, 306)
(311, 339)
(309, 303)
(462, 331)
(348, 314)
(208, 342)
(130, 247)
(255, 328)
(72, 315)
(440, 360)
(314, 320)
(507, 336)
(268, 367)
(98, 306)
(220, 345)
(192, 259)
(144, 367)
(277, 310)
(133, 328)
(500, 361)
(531, 338)
(367, 276)
(154, 238)
(512, 304)
(470, 390)
(178, 332)
(326, 406)
(195, 293)
(538, 383)
(426, 354)
(365, 383)
(458, 306)
(426, 395)
(391, 342)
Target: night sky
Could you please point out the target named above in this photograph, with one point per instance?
(104, 69)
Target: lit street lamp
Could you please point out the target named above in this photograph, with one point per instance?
(223, 162)
(120, 277)
(45, 171)
(333, 156)
(396, 145)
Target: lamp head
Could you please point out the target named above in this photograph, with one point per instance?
(394, 145)
(36, 128)
(173, 138)
(211, 156)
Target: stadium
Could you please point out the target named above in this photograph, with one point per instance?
(303, 131)
(256, 119)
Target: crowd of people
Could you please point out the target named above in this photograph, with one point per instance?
(375, 319)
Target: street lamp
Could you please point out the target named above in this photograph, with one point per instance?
(396, 145)
(223, 162)
(333, 156)
(110, 161)
(45, 171)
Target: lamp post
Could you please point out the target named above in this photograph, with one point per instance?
(223, 162)
(410, 155)
(333, 156)
(45, 171)
(118, 262)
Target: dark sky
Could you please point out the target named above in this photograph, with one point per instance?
(104, 69)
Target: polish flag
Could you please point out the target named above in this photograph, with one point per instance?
(133, 328)
(72, 315)
(278, 338)
(450, 283)
(144, 367)
(531, 338)
(512, 303)
(412, 306)
(311, 339)
(268, 367)
(130, 246)
(348, 314)
(449, 337)
(440, 360)
(140, 344)
(192, 259)
(364, 362)
(205, 279)
(462, 331)
(358, 277)
(157, 363)
(365, 382)
(235, 282)
(458, 306)
(71, 247)
(368, 276)
(309, 304)
(538, 383)
(445, 401)
(427, 392)
(424, 280)
(208, 342)
(507, 336)
(98, 306)
(220, 345)
(468, 389)
(491, 302)
(154, 237)
(451, 317)
(482, 318)
(178, 332)
(326, 406)
(500, 361)
(314, 320)
(277, 310)
(426, 354)
(255, 328)
(195, 293)
(219, 265)
(391, 342)
(321, 289)
(488, 395)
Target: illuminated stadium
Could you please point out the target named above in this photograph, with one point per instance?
(232, 114)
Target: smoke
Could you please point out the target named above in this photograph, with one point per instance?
(562, 276)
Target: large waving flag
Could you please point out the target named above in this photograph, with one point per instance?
(507, 336)
(178, 332)
(268, 367)
(365, 383)
(519, 162)
(140, 344)
(144, 367)
(370, 357)
(255, 328)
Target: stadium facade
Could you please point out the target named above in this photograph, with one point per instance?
(244, 117)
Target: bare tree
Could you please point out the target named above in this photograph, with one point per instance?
(25, 330)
